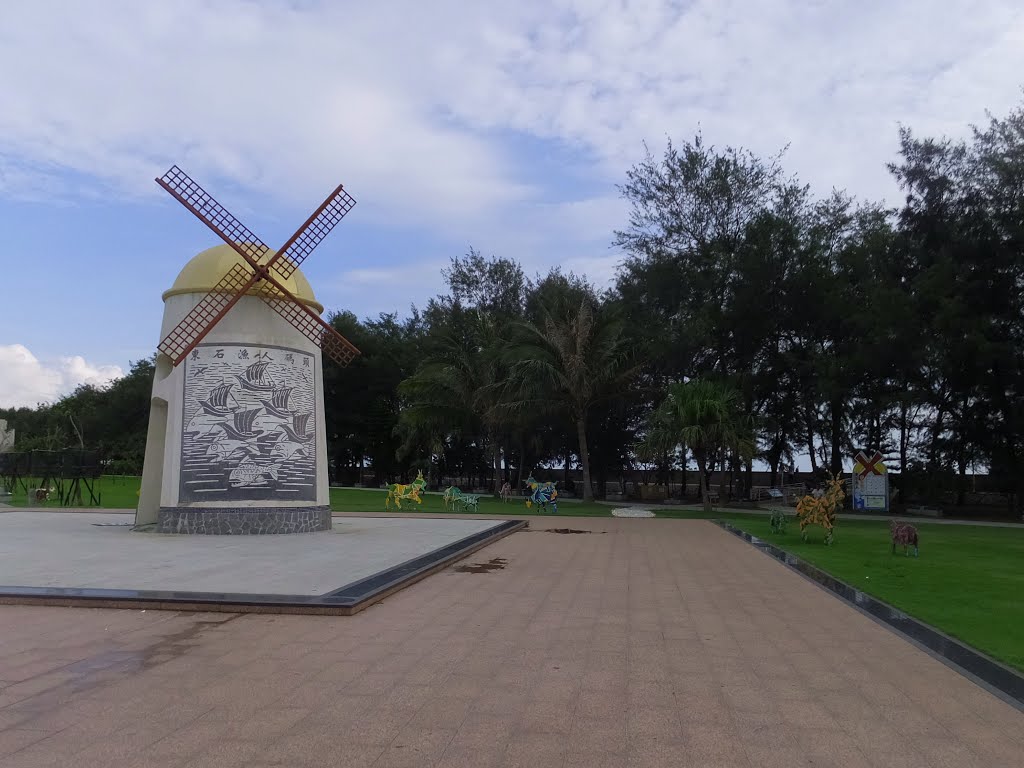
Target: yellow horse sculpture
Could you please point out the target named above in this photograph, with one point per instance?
(820, 509)
(398, 491)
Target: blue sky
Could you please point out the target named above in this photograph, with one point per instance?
(501, 126)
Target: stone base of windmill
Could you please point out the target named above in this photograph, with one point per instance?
(243, 520)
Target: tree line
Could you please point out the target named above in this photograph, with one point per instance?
(750, 321)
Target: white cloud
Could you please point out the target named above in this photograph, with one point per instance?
(411, 277)
(599, 270)
(28, 381)
(832, 78)
(278, 99)
(410, 104)
(359, 279)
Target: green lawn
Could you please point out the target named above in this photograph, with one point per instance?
(968, 580)
(372, 500)
(115, 491)
(122, 492)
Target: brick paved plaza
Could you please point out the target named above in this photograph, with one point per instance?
(643, 643)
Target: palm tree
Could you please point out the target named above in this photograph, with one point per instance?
(455, 390)
(706, 417)
(570, 359)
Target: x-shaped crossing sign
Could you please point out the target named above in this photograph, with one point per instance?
(864, 465)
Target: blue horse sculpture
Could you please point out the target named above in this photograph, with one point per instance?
(542, 494)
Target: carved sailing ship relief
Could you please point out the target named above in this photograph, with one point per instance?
(248, 427)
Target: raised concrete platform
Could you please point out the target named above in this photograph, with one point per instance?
(98, 559)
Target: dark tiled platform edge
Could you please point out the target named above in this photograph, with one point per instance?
(973, 664)
(344, 601)
(229, 521)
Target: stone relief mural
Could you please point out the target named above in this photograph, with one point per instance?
(249, 426)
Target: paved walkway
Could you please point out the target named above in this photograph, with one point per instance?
(646, 643)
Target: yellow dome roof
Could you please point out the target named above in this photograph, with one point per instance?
(206, 269)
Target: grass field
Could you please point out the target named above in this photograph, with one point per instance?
(968, 580)
(122, 492)
(116, 492)
(372, 500)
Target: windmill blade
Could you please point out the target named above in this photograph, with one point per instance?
(214, 215)
(203, 316)
(312, 232)
(310, 324)
(313, 327)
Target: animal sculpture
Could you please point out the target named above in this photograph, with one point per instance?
(455, 499)
(506, 491)
(903, 535)
(777, 521)
(399, 491)
(541, 494)
(451, 497)
(470, 502)
(820, 509)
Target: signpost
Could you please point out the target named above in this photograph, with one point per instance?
(870, 482)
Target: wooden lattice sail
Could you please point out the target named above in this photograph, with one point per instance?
(239, 280)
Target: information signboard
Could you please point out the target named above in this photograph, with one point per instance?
(870, 482)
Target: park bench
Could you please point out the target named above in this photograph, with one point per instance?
(785, 494)
(924, 511)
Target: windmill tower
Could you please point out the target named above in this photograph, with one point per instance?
(236, 441)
